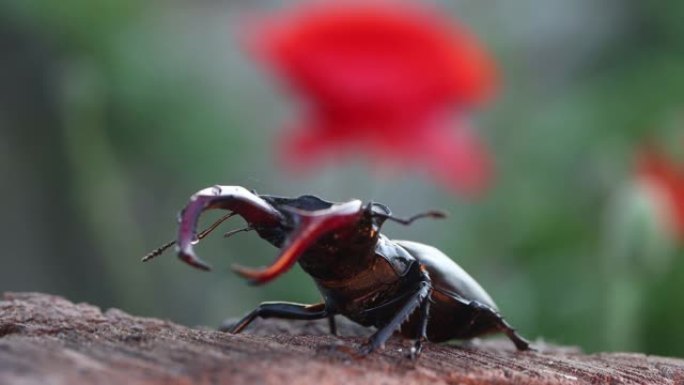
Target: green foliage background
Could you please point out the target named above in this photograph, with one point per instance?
(113, 112)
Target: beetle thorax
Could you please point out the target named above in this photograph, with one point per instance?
(342, 254)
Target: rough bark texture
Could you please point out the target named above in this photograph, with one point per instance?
(48, 340)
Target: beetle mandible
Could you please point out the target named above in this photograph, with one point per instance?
(393, 285)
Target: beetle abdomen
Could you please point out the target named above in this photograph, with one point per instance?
(446, 275)
(451, 319)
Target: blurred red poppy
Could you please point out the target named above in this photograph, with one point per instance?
(667, 180)
(388, 80)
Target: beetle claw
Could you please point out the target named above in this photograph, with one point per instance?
(415, 350)
(365, 349)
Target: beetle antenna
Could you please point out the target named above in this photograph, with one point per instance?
(407, 221)
(233, 232)
(158, 251)
(161, 249)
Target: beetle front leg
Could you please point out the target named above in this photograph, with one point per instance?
(256, 211)
(285, 310)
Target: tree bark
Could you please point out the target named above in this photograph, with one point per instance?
(46, 339)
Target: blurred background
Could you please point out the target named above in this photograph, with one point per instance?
(113, 112)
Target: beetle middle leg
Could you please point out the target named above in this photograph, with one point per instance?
(332, 324)
(424, 315)
(419, 299)
(285, 310)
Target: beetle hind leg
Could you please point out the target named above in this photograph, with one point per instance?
(500, 324)
(285, 310)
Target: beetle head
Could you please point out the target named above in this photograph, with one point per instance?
(291, 211)
(301, 228)
(295, 211)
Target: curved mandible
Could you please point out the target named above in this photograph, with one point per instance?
(256, 211)
(313, 225)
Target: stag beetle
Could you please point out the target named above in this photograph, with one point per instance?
(392, 285)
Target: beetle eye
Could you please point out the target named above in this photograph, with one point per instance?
(378, 213)
(379, 208)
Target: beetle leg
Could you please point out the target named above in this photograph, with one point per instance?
(286, 310)
(416, 300)
(422, 329)
(519, 342)
(332, 324)
(256, 211)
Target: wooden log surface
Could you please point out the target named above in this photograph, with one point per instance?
(46, 339)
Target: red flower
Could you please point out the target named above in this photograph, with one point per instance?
(667, 179)
(382, 79)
